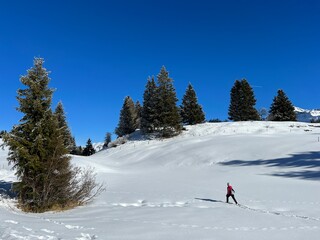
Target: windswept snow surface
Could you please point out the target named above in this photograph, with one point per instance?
(175, 188)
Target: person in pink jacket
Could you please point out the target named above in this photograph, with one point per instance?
(230, 192)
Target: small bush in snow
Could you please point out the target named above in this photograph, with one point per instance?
(118, 141)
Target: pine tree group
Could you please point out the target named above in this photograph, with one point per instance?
(281, 108)
(242, 102)
(89, 149)
(191, 112)
(160, 113)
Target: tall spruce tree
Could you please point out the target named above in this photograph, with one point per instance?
(138, 110)
(191, 112)
(281, 108)
(242, 102)
(69, 141)
(36, 148)
(149, 117)
(128, 117)
(169, 121)
(89, 150)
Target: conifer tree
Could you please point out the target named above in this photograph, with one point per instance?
(281, 108)
(89, 150)
(107, 140)
(149, 117)
(242, 102)
(128, 118)
(138, 110)
(169, 121)
(69, 141)
(36, 148)
(191, 112)
(39, 155)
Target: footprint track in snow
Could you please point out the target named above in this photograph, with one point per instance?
(216, 228)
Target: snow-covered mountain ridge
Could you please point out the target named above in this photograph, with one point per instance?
(304, 115)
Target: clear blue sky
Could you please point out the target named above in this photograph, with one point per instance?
(98, 52)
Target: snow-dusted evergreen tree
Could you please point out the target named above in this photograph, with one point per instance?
(128, 118)
(149, 116)
(107, 140)
(169, 121)
(242, 102)
(63, 125)
(88, 150)
(191, 112)
(281, 108)
(37, 149)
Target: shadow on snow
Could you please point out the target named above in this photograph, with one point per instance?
(308, 162)
(209, 200)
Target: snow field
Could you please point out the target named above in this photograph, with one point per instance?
(175, 188)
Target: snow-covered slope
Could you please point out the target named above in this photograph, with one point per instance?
(98, 146)
(175, 188)
(304, 115)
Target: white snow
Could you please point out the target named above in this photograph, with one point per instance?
(175, 188)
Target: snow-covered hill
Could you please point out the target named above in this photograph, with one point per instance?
(175, 188)
(304, 115)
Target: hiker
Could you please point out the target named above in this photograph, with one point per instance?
(230, 192)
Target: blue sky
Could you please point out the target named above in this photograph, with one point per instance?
(98, 52)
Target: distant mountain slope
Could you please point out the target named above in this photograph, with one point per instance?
(304, 115)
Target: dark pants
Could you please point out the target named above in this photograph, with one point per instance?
(232, 195)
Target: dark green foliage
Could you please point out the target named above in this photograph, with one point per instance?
(128, 118)
(69, 141)
(281, 108)
(37, 150)
(160, 113)
(89, 150)
(216, 120)
(191, 112)
(2, 133)
(242, 102)
(107, 140)
(149, 110)
(77, 151)
(168, 118)
(138, 110)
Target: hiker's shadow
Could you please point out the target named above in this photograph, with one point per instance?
(6, 189)
(209, 200)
